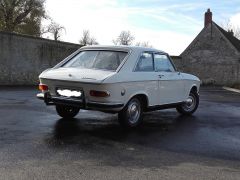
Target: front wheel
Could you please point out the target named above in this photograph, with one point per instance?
(67, 111)
(131, 115)
(191, 104)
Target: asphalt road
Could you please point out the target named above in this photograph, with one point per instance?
(36, 144)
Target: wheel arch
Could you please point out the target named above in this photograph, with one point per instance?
(143, 97)
(194, 88)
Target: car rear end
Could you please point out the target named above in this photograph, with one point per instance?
(83, 95)
(82, 87)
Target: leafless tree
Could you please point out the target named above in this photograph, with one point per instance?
(55, 29)
(124, 38)
(143, 44)
(86, 39)
(22, 16)
(228, 26)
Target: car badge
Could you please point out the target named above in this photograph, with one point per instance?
(69, 75)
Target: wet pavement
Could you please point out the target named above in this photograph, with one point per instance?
(36, 144)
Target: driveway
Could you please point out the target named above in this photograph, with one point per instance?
(36, 144)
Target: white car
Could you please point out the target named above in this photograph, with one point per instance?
(126, 80)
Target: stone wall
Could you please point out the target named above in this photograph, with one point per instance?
(212, 58)
(177, 60)
(23, 58)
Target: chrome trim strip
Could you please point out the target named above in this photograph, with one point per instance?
(101, 105)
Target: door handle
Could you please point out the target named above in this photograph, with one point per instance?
(160, 75)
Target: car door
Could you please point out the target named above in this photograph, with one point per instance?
(146, 78)
(171, 85)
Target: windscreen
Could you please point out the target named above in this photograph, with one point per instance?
(97, 59)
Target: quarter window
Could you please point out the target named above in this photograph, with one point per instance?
(162, 63)
(145, 62)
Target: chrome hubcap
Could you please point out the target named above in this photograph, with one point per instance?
(190, 103)
(133, 112)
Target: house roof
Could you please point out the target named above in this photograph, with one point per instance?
(234, 41)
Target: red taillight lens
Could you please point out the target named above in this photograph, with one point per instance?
(43, 87)
(99, 93)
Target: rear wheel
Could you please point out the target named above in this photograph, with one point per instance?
(191, 105)
(67, 111)
(131, 115)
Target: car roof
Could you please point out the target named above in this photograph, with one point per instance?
(122, 47)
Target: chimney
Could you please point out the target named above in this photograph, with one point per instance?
(208, 18)
(231, 32)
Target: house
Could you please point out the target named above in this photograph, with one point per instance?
(214, 55)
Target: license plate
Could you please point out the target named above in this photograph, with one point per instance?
(69, 93)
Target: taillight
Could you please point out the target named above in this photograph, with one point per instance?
(99, 93)
(43, 87)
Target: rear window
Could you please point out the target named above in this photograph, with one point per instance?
(106, 60)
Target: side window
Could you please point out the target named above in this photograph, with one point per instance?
(162, 63)
(145, 62)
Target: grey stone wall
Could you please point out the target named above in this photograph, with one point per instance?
(23, 58)
(177, 60)
(212, 58)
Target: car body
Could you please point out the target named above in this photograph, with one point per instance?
(108, 77)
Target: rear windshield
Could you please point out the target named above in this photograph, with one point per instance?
(106, 60)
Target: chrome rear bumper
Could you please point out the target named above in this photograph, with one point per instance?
(53, 100)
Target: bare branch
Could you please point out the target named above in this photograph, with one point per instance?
(143, 44)
(125, 38)
(86, 39)
(228, 26)
(55, 29)
(21, 16)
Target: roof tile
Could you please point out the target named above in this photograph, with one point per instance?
(234, 41)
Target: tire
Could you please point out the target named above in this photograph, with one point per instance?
(188, 108)
(67, 111)
(131, 116)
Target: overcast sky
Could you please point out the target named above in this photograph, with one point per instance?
(168, 25)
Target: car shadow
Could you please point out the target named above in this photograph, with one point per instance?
(160, 134)
(156, 128)
(110, 129)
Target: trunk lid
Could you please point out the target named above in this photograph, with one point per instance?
(77, 75)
